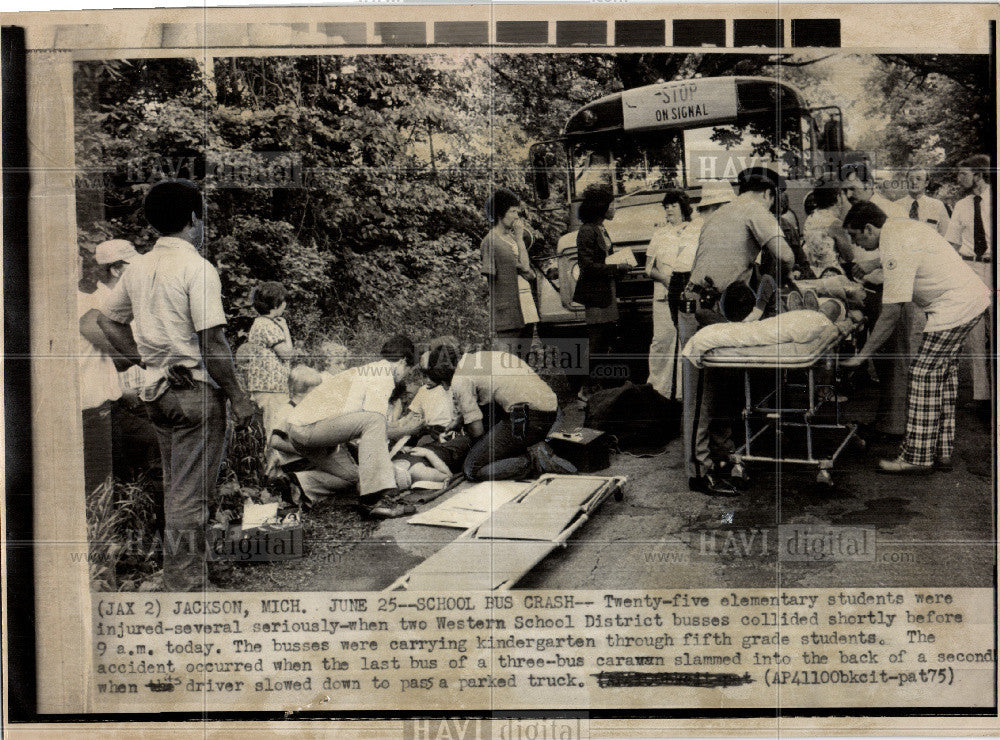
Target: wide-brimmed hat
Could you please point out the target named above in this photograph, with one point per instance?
(714, 192)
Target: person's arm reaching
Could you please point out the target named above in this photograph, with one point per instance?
(783, 253)
(219, 363)
(407, 426)
(880, 333)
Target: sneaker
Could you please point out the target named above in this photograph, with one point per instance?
(810, 300)
(712, 485)
(900, 466)
(793, 300)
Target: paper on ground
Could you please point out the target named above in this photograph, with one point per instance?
(254, 515)
(471, 506)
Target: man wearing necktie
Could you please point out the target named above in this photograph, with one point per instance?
(919, 206)
(971, 232)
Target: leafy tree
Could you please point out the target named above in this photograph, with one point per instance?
(936, 107)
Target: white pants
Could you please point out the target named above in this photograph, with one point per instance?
(375, 468)
(663, 352)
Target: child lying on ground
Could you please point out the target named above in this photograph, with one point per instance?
(419, 464)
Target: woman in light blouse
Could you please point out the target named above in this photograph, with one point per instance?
(507, 268)
(668, 262)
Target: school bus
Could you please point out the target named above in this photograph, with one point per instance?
(695, 134)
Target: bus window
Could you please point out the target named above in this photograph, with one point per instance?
(591, 166)
(722, 151)
(633, 164)
(648, 163)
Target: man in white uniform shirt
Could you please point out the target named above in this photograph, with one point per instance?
(99, 383)
(920, 266)
(971, 232)
(892, 365)
(918, 205)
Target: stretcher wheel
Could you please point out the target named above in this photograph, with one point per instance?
(823, 477)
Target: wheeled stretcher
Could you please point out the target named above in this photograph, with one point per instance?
(495, 555)
(802, 409)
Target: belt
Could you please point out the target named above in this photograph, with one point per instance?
(980, 258)
(695, 296)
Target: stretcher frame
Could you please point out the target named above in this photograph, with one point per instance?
(779, 418)
(603, 488)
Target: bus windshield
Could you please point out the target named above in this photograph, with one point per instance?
(653, 161)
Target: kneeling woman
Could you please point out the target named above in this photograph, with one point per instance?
(520, 411)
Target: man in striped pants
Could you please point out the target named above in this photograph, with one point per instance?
(920, 266)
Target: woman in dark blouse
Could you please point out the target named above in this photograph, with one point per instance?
(595, 288)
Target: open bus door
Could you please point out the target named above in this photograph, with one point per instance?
(548, 175)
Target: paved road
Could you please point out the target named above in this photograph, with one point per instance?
(921, 531)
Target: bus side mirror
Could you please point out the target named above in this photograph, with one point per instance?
(832, 141)
(547, 174)
(540, 173)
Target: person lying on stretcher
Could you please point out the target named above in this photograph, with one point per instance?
(802, 327)
(833, 296)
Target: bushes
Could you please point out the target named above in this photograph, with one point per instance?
(122, 533)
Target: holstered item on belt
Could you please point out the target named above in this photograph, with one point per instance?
(519, 420)
(697, 296)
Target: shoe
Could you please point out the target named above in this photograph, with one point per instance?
(712, 485)
(944, 465)
(793, 300)
(368, 503)
(545, 460)
(810, 300)
(392, 510)
(899, 465)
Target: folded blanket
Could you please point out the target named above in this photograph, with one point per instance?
(792, 327)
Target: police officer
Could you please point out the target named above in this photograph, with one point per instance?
(730, 242)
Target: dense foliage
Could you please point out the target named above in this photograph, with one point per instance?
(358, 181)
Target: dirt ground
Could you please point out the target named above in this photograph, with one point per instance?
(936, 530)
